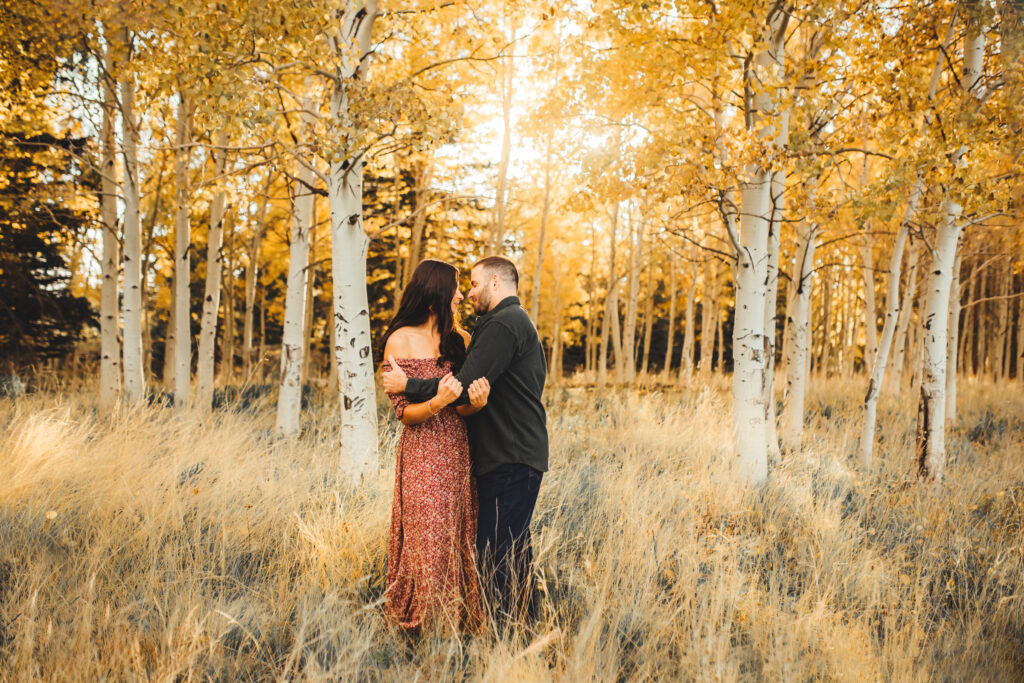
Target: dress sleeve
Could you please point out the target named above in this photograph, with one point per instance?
(399, 401)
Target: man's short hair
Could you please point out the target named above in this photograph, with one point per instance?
(502, 267)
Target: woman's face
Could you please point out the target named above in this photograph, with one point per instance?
(456, 300)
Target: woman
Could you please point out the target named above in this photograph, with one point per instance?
(431, 573)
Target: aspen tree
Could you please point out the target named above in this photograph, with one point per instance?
(211, 294)
(931, 442)
(182, 255)
(134, 374)
(110, 346)
(289, 402)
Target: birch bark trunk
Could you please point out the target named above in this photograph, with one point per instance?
(500, 201)
(227, 356)
(251, 272)
(798, 345)
(667, 367)
(750, 347)
(931, 433)
(953, 330)
(648, 321)
(867, 258)
(892, 314)
(182, 257)
(931, 407)
(289, 401)
(906, 310)
(613, 304)
(686, 359)
(211, 295)
(169, 341)
(349, 245)
(611, 310)
(307, 316)
(707, 306)
(134, 375)
(965, 343)
(545, 210)
(629, 329)
(110, 348)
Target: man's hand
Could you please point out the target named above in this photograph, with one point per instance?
(479, 390)
(448, 389)
(395, 379)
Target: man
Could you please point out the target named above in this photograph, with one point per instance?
(508, 439)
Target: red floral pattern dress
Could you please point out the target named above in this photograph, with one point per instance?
(432, 574)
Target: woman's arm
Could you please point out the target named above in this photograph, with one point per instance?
(417, 413)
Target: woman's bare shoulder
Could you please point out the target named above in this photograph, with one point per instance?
(398, 344)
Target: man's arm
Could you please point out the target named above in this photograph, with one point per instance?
(491, 353)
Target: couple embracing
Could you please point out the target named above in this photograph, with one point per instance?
(472, 452)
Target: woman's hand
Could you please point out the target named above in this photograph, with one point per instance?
(448, 389)
(479, 390)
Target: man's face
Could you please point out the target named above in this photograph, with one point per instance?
(480, 290)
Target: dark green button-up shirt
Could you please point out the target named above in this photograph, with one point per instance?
(512, 427)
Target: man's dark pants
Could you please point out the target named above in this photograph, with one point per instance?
(507, 496)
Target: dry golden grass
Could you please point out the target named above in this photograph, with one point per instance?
(157, 545)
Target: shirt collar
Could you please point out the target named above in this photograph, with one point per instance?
(505, 303)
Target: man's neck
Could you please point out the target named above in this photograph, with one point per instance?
(499, 299)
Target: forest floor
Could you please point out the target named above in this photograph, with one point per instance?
(161, 545)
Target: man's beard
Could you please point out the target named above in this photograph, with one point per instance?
(482, 302)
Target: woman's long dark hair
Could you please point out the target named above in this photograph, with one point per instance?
(430, 290)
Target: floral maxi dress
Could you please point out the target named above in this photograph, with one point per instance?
(432, 575)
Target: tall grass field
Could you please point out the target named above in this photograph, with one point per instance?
(155, 544)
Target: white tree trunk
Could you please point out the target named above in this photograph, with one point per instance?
(169, 342)
(636, 228)
(307, 317)
(777, 189)
(667, 367)
(352, 321)
(750, 347)
(867, 256)
(892, 314)
(501, 198)
(953, 328)
(251, 271)
(538, 271)
(612, 303)
(686, 359)
(931, 422)
(648, 321)
(906, 311)
(211, 295)
(134, 374)
(798, 326)
(110, 347)
(289, 401)
(227, 344)
(611, 306)
(931, 409)
(349, 244)
(182, 258)
(707, 308)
